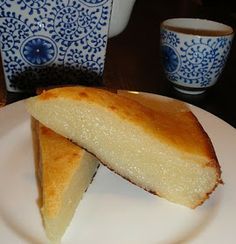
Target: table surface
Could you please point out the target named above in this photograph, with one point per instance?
(133, 57)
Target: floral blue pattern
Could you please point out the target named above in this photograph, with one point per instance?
(195, 61)
(94, 2)
(38, 51)
(43, 34)
(33, 6)
(170, 58)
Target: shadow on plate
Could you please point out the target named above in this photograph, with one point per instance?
(210, 208)
(17, 228)
(12, 116)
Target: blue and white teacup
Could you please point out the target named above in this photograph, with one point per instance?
(194, 52)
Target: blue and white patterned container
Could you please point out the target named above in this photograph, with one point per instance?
(194, 52)
(48, 42)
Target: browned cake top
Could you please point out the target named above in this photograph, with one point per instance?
(177, 127)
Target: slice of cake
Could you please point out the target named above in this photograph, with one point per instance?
(165, 153)
(64, 173)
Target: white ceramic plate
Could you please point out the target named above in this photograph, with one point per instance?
(113, 210)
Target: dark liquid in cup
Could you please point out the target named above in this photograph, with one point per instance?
(200, 32)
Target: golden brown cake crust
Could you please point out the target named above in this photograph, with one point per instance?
(179, 129)
(56, 174)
